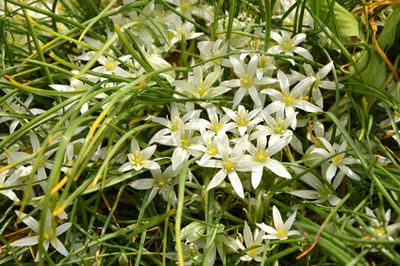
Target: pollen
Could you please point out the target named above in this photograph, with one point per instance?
(380, 231)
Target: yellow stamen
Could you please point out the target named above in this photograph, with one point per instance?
(185, 142)
(287, 47)
(212, 151)
(281, 232)
(246, 80)
(185, 5)
(175, 125)
(260, 156)
(287, 99)
(228, 166)
(201, 91)
(216, 127)
(242, 122)
(338, 159)
(110, 66)
(278, 127)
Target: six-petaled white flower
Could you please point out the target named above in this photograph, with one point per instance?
(280, 230)
(288, 45)
(139, 159)
(50, 234)
(248, 80)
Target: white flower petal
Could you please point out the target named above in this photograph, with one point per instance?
(217, 179)
(325, 70)
(305, 194)
(236, 183)
(62, 228)
(266, 228)
(256, 176)
(330, 172)
(303, 52)
(24, 242)
(306, 106)
(289, 222)
(142, 184)
(59, 246)
(277, 168)
(276, 215)
(31, 222)
(125, 167)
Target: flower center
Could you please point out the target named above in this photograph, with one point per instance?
(338, 159)
(246, 81)
(324, 193)
(201, 91)
(287, 47)
(137, 158)
(278, 127)
(175, 125)
(379, 231)
(160, 183)
(253, 251)
(110, 66)
(242, 122)
(212, 151)
(185, 5)
(46, 236)
(185, 142)
(182, 31)
(287, 99)
(281, 232)
(260, 156)
(228, 166)
(316, 82)
(264, 61)
(216, 127)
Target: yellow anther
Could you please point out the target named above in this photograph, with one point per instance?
(242, 122)
(110, 66)
(246, 80)
(185, 142)
(287, 47)
(281, 232)
(260, 156)
(212, 151)
(216, 127)
(228, 166)
(287, 99)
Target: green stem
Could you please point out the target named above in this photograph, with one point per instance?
(179, 211)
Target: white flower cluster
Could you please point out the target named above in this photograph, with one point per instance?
(244, 114)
